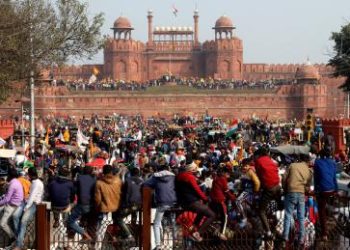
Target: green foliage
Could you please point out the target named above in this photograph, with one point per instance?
(341, 60)
(37, 33)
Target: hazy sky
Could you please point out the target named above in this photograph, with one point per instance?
(273, 31)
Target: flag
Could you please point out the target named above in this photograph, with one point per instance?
(81, 138)
(95, 71)
(2, 142)
(47, 135)
(92, 79)
(233, 128)
(175, 11)
(60, 137)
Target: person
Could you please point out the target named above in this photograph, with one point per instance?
(250, 186)
(61, 192)
(26, 184)
(12, 199)
(325, 185)
(85, 188)
(36, 195)
(107, 199)
(267, 171)
(296, 182)
(329, 143)
(130, 202)
(163, 182)
(219, 194)
(191, 198)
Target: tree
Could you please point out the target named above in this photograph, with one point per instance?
(341, 60)
(36, 33)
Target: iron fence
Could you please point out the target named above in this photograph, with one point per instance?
(105, 233)
(46, 233)
(176, 224)
(29, 239)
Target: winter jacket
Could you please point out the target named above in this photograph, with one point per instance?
(107, 193)
(85, 186)
(187, 189)
(267, 171)
(325, 175)
(220, 191)
(298, 178)
(131, 191)
(163, 183)
(61, 192)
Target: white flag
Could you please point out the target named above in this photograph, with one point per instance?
(81, 138)
(2, 142)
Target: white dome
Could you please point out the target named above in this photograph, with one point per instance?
(162, 28)
(157, 28)
(168, 28)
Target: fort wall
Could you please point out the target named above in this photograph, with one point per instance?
(288, 102)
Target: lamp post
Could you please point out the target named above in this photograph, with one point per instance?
(22, 100)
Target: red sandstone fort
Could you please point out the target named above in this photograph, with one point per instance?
(177, 51)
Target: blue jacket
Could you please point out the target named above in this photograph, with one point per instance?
(61, 192)
(325, 175)
(163, 183)
(85, 186)
(131, 191)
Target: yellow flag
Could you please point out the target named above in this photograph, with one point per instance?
(95, 71)
(66, 135)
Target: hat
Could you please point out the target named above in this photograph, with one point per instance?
(193, 167)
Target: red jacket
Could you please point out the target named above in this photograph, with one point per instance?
(267, 171)
(187, 189)
(220, 191)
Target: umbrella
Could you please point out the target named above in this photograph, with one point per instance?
(98, 163)
(291, 150)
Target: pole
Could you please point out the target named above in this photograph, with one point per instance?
(22, 124)
(32, 114)
(31, 82)
(348, 105)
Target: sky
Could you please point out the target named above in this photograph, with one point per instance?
(273, 31)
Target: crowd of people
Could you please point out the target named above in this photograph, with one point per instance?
(234, 84)
(198, 83)
(93, 167)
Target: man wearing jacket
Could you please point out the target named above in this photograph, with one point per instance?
(296, 182)
(130, 202)
(219, 194)
(61, 191)
(10, 202)
(163, 182)
(85, 187)
(267, 171)
(191, 198)
(107, 199)
(326, 185)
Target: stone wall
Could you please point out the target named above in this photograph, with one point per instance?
(287, 102)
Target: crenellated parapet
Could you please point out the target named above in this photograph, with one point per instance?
(223, 45)
(113, 45)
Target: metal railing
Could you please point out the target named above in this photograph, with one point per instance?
(45, 232)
